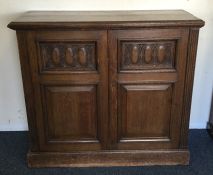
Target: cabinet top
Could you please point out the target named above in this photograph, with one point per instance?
(104, 19)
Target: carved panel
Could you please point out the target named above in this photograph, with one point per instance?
(134, 56)
(147, 55)
(82, 56)
(56, 56)
(67, 56)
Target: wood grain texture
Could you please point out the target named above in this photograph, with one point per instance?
(134, 105)
(67, 56)
(28, 90)
(61, 124)
(78, 104)
(189, 79)
(146, 55)
(107, 88)
(108, 159)
(72, 118)
(141, 127)
(139, 121)
(104, 19)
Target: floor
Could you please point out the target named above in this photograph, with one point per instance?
(14, 146)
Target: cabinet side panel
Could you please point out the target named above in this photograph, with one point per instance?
(28, 89)
(191, 59)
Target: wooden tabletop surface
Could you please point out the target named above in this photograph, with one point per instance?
(32, 18)
(95, 16)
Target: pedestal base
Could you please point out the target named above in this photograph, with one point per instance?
(106, 159)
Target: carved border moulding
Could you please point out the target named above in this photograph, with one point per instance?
(145, 55)
(63, 56)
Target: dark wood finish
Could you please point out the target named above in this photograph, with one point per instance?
(108, 88)
(72, 102)
(105, 19)
(108, 158)
(57, 56)
(146, 55)
(142, 119)
(189, 79)
(28, 90)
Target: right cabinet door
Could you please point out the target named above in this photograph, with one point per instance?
(146, 84)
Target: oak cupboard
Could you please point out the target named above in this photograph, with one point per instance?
(107, 88)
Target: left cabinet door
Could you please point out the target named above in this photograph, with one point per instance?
(69, 71)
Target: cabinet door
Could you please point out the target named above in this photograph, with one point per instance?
(70, 77)
(146, 84)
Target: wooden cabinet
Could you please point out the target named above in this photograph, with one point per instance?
(107, 88)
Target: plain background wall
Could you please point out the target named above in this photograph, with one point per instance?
(12, 105)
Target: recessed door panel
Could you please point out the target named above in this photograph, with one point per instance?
(145, 111)
(71, 113)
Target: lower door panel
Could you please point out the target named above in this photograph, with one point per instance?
(71, 117)
(144, 116)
